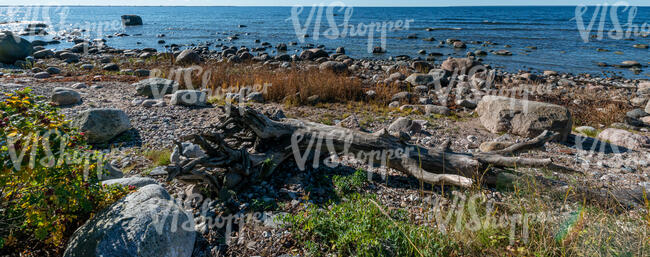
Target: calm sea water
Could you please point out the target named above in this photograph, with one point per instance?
(553, 30)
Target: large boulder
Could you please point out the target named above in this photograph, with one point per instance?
(131, 20)
(155, 87)
(522, 117)
(333, 66)
(102, 124)
(189, 98)
(43, 54)
(188, 56)
(65, 96)
(417, 79)
(624, 138)
(145, 223)
(312, 54)
(13, 48)
(459, 65)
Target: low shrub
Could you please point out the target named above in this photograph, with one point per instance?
(47, 188)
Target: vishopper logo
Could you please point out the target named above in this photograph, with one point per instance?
(336, 146)
(34, 145)
(604, 14)
(593, 151)
(466, 213)
(336, 31)
(52, 20)
(206, 220)
(232, 95)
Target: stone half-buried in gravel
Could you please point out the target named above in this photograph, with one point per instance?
(189, 98)
(65, 96)
(100, 125)
(155, 87)
(522, 117)
(624, 138)
(145, 223)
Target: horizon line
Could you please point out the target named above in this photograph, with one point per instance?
(407, 6)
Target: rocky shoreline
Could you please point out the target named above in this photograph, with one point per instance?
(603, 121)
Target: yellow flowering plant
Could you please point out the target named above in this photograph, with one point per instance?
(47, 186)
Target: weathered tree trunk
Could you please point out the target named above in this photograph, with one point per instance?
(249, 145)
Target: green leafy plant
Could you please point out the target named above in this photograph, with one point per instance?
(362, 227)
(350, 183)
(48, 178)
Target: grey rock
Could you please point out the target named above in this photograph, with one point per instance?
(142, 73)
(102, 124)
(13, 48)
(625, 138)
(155, 87)
(586, 130)
(65, 96)
(436, 109)
(42, 75)
(149, 103)
(147, 222)
(333, 66)
(189, 98)
(419, 79)
(459, 65)
(466, 103)
(43, 54)
(257, 97)
(525, 118)
(401, 97)
(636, 114)
(351, 122)
(130, 181)
(188, 56)
(312, 54)
(647, 107)
(53, 70)
(158, 171)
(111, 67)
(87, 66)
(406, 125)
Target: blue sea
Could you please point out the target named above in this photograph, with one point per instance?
(554, 31)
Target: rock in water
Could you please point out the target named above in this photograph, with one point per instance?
(624, 138)
(155, 87)
(131, 20)
(65, 96)
(525, 118)
(13, 48)
(189, 98)
(312, 54)
(145, 223)
(102, 124)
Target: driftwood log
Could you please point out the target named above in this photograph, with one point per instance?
(247, 145)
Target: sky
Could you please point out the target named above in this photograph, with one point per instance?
(311, 2)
